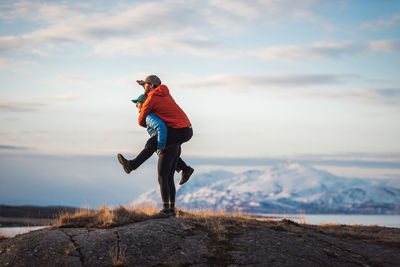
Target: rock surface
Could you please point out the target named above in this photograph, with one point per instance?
(186, 242)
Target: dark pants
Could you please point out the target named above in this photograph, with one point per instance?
(148, 151)
(168, 160)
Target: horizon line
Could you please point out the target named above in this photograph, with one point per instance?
(339, 159)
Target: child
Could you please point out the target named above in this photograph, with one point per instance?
(158, 132)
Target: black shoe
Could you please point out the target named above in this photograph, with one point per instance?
(162, 214)
(186, 175)
(172, 212)
(125, 163)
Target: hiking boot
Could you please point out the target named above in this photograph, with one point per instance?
(172, 212)
(125, 163)
(186, 175)
(164, 213)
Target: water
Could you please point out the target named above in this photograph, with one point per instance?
(349, 219)
(13, 231)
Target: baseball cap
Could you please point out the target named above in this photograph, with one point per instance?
(153, 79)
(138, 99)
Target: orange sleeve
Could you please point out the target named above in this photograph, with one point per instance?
(146, 109)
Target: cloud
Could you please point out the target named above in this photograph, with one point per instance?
(4, 62)
(175, 10)
(199, 45)
(387, 96)
(74, 24)
(20, 106)
(382, 24)
(266, 81)
(36, 105)
(385, 45)
(178, 27)
(70, 97)
(65, 80)
(9, 147)
(128, 25)
(226, 13)
(362, 160)
(204, 46)
(158, 45)
(49, 13)
(16, 64)
(374, 96)
(357, 157)
(122, 31)
(315, 51)
(298, 85)
(323, 50)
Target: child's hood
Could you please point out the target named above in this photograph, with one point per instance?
(161, 90)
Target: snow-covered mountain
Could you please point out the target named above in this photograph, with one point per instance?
(287, 187)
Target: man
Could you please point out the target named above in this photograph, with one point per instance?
(179, 130)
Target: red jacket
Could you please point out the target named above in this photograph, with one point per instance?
(161, 103)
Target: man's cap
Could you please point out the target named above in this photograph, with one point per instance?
(138, 99)
(153, 79)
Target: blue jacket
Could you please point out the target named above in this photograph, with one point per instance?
(155, 126)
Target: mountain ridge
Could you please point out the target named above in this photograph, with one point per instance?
(288, 187)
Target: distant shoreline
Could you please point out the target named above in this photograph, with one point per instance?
(17, 216)
(20, 222)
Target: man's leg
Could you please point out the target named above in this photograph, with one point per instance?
(180, 136)
(181, 165)
(166, 162)
(171, 183)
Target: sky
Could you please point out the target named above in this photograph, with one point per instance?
(306, 80)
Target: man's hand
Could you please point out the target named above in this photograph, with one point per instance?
(140, 82)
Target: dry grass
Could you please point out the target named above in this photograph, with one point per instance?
(105, 217)
(221, 223)
(218, 222)
(220, 215)
(302, 219)
(285, 225)
(376, 233)
(215, 221)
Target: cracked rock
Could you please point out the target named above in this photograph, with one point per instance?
(187, 242)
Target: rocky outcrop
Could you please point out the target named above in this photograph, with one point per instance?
(187, 242)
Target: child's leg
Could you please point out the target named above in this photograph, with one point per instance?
(148, 150)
